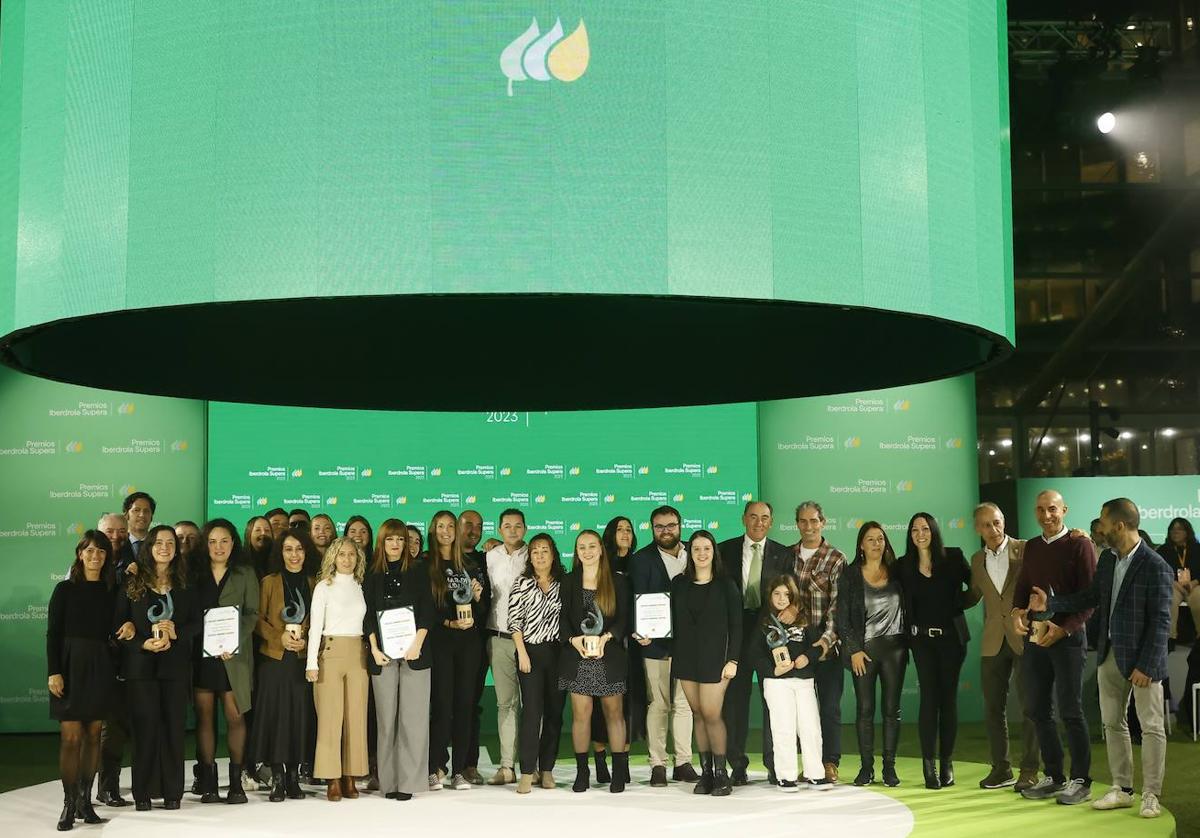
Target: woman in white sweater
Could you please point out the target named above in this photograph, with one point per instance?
(337, 668)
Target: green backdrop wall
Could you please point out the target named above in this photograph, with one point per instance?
(882, 456)
(68, 454)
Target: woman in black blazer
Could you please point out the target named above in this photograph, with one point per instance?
(871, 623)
(934, 578)
(158, 670)
(401, 685)
(706, 620)
(593, 592)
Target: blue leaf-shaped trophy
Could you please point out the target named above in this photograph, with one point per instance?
(777, 640)
(592, 627)
(160, 612)
(294, 613)
(460, 591)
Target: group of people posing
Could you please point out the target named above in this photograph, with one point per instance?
(365, 655)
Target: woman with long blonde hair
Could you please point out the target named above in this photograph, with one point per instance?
(337, 666)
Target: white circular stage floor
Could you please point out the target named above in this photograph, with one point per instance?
(756, 810)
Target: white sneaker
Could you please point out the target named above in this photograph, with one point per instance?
(459, 783)
(1115, 798)
(435, 782)
(1150, 807)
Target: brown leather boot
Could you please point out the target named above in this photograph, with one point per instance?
(334, 791)
(348, 789)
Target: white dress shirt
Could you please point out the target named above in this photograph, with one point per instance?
(748, 556)
(675, 564)
(503, 568)
(997, 564)
(337, 611)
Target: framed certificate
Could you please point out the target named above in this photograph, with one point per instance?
(652, 615)
(222, 634)
(397, 631)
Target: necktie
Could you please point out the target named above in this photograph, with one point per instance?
(753, 596)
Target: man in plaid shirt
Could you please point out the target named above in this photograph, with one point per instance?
(818, 567)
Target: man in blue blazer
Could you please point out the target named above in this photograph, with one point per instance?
(1131, 593)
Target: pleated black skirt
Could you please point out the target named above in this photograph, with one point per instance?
(283, 711)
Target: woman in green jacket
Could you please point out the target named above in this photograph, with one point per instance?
(223, 580)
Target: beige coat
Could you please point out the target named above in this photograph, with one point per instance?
(997, 605)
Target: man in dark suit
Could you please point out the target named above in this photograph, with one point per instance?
(751, 560)
(651, 570)
(1131, 593)
(115, 729)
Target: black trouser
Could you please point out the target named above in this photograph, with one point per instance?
(995, 673)
(831, 681)
(889, 659)
(455, 671)
(480, 681)
(939, 662)
(113, 735)
(736, 709)
(541, 708)
(1054, 675)
(157, 709)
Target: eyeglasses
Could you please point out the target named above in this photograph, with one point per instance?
(666, 527)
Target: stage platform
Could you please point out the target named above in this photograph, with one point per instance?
(674, 812)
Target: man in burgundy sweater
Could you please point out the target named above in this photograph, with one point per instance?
(1052, 667)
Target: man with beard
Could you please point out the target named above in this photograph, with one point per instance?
(1131, 593)
(651, 570)
(470, 531)
(258, 540)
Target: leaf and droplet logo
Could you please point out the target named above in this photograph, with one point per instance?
(537, 56)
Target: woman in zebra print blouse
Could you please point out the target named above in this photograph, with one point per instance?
(534, 607)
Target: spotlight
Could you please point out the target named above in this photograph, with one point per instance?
(1168, 432)
(1106, 122)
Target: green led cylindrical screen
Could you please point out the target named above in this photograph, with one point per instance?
(688, 181)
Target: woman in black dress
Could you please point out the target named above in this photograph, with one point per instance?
(934, 578)
(706, 622)
(159, 618)
(596, 598)
(287, 720)
(223, 579)
(81, 674)
(620, 542)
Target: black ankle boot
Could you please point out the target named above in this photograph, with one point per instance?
(83, 802)
(602, 775)
(946, 774)
(235, 793)
(705, 784)
(620, 772)
(278, 785)
(890, 779)
(208, 784)
(66, 820)
(931, 777)
(583, 773)
(721, 787)
(866, 774)
(292, 783)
